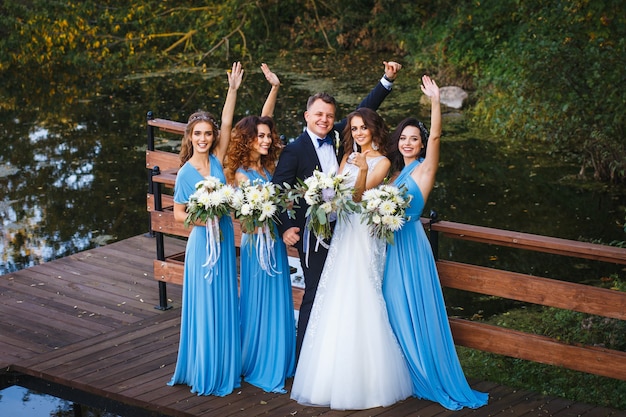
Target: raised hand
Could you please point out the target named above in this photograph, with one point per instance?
(270, 101)
(359, 159)
(271, 77)
(430, 88)
(391, 69)
(235, 75)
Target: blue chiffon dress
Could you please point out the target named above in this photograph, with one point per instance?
(209, 352)
(417, 312)
(268, 327)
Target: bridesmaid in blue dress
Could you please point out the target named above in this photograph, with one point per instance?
(209, 354)
(268, 332)
(411, 285)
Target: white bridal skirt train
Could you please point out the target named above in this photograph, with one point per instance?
(350, 358)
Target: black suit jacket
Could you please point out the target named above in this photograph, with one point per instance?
(299, 160)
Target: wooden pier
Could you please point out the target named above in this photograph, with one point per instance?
(87, 325)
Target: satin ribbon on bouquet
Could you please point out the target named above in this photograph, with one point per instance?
(265, 250)
(318, 241)
(213, 246)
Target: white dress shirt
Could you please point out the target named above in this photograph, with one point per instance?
(325, 153)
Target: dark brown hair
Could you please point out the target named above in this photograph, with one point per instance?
(374, 123)
(396, 158)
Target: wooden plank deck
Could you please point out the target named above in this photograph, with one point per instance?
(88, 322)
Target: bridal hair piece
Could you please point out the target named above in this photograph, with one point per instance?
(423, 131)
(186, 148)
(203, 116)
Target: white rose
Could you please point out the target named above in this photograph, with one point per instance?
(373, 204)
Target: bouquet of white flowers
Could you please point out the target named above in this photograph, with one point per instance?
(210, 201)
(329, 198)
(257, 205)
(384, 209)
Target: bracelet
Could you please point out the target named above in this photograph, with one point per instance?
(387, 78)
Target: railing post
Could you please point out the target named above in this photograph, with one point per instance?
(150, 116)
(150, 143)
(434, 235)
(160, 244)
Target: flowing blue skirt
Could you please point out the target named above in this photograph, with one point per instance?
(418, 317)
(209, 352)
(268, 330)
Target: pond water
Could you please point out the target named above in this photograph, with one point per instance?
(16, 401)
(72, 163)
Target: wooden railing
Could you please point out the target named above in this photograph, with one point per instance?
(536, 290)
(462, 276)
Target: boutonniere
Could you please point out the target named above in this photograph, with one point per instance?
(337, 142)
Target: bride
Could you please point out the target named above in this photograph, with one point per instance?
(350, 358)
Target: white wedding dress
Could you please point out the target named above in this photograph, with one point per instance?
(350, 358)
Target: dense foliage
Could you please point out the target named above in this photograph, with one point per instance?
(540, 70)
(549, 71)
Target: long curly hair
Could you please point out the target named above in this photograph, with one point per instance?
(242, 139)
(374, 123)
(186, 146)
(396, 158)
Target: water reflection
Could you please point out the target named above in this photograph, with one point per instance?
(72, 164)
(23, 402)
(18, 401)
(48, 211)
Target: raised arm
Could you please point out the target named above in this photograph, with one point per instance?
(378, 94)
(426, 178)
(270, 101)
(235, 76)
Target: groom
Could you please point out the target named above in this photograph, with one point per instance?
(316, 148)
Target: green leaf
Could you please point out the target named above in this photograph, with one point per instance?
(321, 216)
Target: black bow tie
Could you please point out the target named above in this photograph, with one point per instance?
(327, 139)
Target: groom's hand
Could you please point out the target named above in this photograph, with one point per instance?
(291, 236)
(391, 69)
